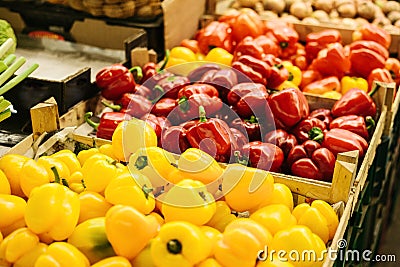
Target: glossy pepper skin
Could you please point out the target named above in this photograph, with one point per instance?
(174, 139)
(332, 61)
(364, 60)
(316, 41)
(158, 123)
(374, 33)
(198, 88)
(355, 102)
(256, 47)
(278, 73)
(12, 209)
(265, 156)
(311, 161)
(92, 205)
(380, 75)
(348, 82)
(133, 104)
(219, 143)
(124, 224)
(393, 66)
(115, 80)
(215, 34)
(52, 209)
(219, 55)
(255, 69)
(180, 55)
(355, 124)
(250, 127)
(62, 254)
(11, 165)
(285, 35)
(180, 244)
(172, 84)
(195, 75)
(223, 80)
(188, 107)
(324, 85)
(302, 129)
(222, 217)
(108, 123)
(323, 114)
(309, 76)
(371, 45)
(288, 107)
(282, 139)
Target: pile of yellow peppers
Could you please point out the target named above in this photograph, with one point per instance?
(95, 209)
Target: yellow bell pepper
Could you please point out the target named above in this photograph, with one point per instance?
(124, 224)
(33, 175)
(222, 216)
(286, 85)
(274, 217)
(76, 182)
(319, 217)
(210, 262)
(107, 149)
(144, 258)
(62, 169)
(5, 187)
(239, 234)
(52, 209)
(69, 158)
(116, 261)
(200, 56)
(153, 162)
(12, 210)
(83, 155)
(132, 189)
(213, 235)
(180, 55)
(131, 135)
(244, 187)
(180, 244)
(62, 254)
(280, 195)
(92, 205)
(348, 82)
(275, 262)
(17, 244)
(295, 74)
(98, 171)
(11, 165)
(91, 239)
(299, 238)
(332, 94)
(219, 55)
(29, 258)
(197, 165)
(189, 201)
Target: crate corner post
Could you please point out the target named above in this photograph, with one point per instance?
(44, 117)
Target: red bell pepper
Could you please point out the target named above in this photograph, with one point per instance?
(316, 41)
(393, 66)
(265, 156)
(302, 129)
(189, 106)
(116, 80)
(239, 137)
(364, 60)
(380, 75)
(355, 102)
(288, 107)
(144, 91)
(285, 34)
(374, 33)
(213, 136)
(164, 107)
(340, 140)
(322, 86)
(278, 73)
(282, 139)
(332, 61)
(191, 44)
(198, 88)
(223, 80)
(257, 47)
(174, 139)
(158, 123)
(172, 84)
(323, 114)
(132, 104)
(311, 161)
(249, 127)
(195, 75)
(355, 124)
(151, 69)
(157, 91)
(249, 72)
(374, 46)
(248, 99)
(108, 123)
(215, 34)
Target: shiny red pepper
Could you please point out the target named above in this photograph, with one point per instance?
(282, 139)
(213, 136)
(316, 41)
(198, 88)
(215, 34)
(380, 75)
(174, 139)
(374, 46)
(249, 72)
(239, 137)
(159, 124)
(164, 107)
(157, 91)
(393, 66)
(302, 129)
(195, 75)
(278, 73)
(115, 80)
(248, 99)
(372, 32)
(285, 34)
(364, 61)
(288, 107)
(249, 127)
(132, 104)
(108, 123)
(323, 114)
(355, 102)
(265, 156)
(257, 47)
(312, 161)
(223, 80)
(191, 44)
(151, 69)
(171, 85)
(309, 76)
(322, 86)
(188, 107)
(355, 124)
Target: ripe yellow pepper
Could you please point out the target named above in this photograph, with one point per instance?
(33, 175)
(131, 135)
(144, 258)
(98, 171)
(332, 94)
(11, 165)
(275, 262)
(245, 188)
(76, 182)
(180, 55)
(209, 262)
(197, 165)
(92, 205)
(286, 85)
(125, 224)
(62, 254)
(295, 74)
(189, 201)
(132, 189)
(153, 162)
(274, 217)
(5, 187)
(12, 210)
(348, 82)
(280, 195)
(116, 261)
(219, 55)
(319, 217)
(83, 155)
(91, 239)
(222, 216)
(69, 158)
(17, 244)
(52, 209)
(180, 244)
(213, 235)
(299, 238)
(107, 149)
(62, 169)
(239, 234)
(29, 258)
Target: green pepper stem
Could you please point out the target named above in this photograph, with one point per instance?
(374, 90)
(291, 77)
(283, 44)
(239, 159)
(159, 89)
(370, 123)
(183, 104)
(166, 59)
(202, 114)
(112, 106)
(139, 72)
(316, 134)
(253, 119)
(57, 178)
(87, 116)
(174, 246)
(141, 162)
(146, 190)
